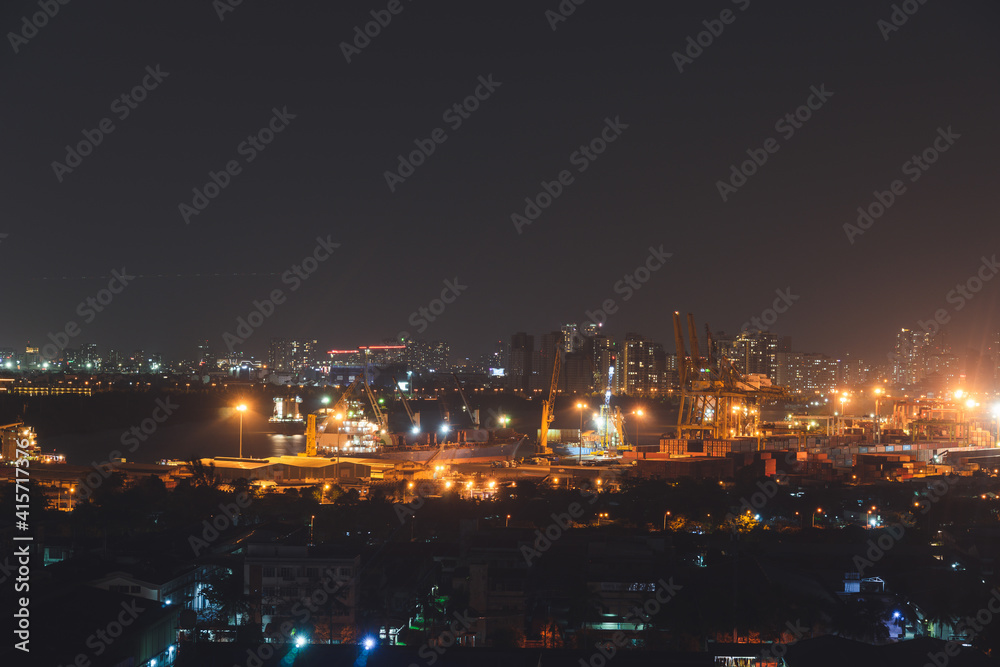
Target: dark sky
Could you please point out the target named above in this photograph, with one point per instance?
(655, 185)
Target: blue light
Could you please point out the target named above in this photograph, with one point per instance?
(369, 643)
(300, 641)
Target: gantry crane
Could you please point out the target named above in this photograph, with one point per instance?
(549, 406)
(717, 400)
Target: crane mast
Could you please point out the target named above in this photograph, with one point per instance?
(472, 415)
(414, 418)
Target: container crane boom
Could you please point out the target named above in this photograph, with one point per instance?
(472, 415)
(548, 406)
(414, 421)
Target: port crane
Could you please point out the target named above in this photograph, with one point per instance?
(549, 406)
(717, 400)
(414, 416)
(473, 415)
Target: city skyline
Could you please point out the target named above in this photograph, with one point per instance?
(567, 176)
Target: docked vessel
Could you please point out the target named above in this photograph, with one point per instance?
(287, 418)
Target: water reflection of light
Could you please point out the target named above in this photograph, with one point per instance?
(285, 445)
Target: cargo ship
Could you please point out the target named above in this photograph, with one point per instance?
(349, 432)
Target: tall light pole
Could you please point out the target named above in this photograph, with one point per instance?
(241, 408)
(996, 415)
(637, 413)
(878, 432)
(843, 414)
(581, 407)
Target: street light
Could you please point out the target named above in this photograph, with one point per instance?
(637, 413)
(819, 510)
(581, 407)
(600, 516)
(870, 522)
(241, 408)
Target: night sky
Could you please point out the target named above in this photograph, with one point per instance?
(655, 185)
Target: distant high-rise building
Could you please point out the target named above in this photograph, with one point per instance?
(643, 366)
(754, 352)
(806, 373)
(291, 354)
(577, 375)
(304, 351)
(427, 356)
(203, 356)
(908, 360)
(603, 352)
(279, 355)
(857, 372)
(520, 354)
(90, 358)
(572, 338)
(115, 361)
(544, 359)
